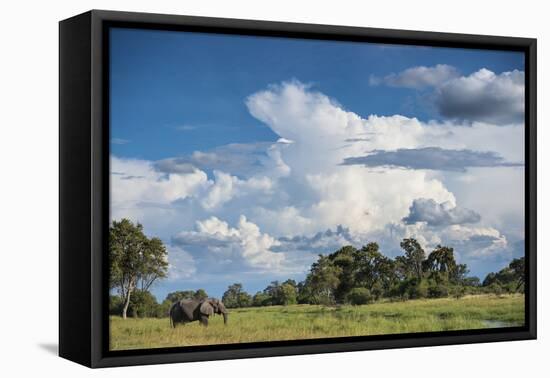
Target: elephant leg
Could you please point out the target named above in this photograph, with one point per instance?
(204, 320)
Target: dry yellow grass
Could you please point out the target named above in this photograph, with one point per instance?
(308, 321)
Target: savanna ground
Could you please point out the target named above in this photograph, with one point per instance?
(294, 322)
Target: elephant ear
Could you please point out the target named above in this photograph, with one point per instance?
(206, 308)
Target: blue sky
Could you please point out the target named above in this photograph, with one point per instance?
(207, 129)
(162, 80)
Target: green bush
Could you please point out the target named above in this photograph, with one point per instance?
(420, 290)
(495, 288)
(163, 309)
(438, 291)
(413, 288)
(377, 290)
(143, 304)
(261, 299)
(458, 291)
(115, 305)
(360, 296)
(511, 287)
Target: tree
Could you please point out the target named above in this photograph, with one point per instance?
(154, 263)
(322, 280)
(143, 304)
(235, 296)
(511, 277)
(471, 281)
(414, 257)
(490, 278)
(374, 270)
(437, 290)
(176, 296)
(415, 288)
(385, 273)
(518, 268)
(402, 270)
(287, 294)
(244, 299)
(272, 292)
(495, 288)
(359, 296)
(440, 260)
(115, 305)
(344, 261)
(304, 294)
(280, 294)
(441, 267)
(135, 260)
(377, 290)
(458, 291)
(260, 299)
(200, 294)
(164, 308)
(459, 275)
(365, 264)
(291, 282)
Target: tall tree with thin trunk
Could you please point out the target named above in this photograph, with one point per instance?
(414, 257)
(135, 260)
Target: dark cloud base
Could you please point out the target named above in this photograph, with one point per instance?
(434, 158)
(439, 214)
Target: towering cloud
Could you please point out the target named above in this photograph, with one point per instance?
(330, 177)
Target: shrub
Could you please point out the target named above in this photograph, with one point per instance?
(143, 304)
(287, 294)
(359, 296)
(377, 291)
(397, 293)
(495, 288)
(419, 290)
(438, 291)
(413, 288)
(458, 291)
(163, 309)
(261, 299)
(115, 305)
(511, 287)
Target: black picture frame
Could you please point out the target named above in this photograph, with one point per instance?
(84, 187)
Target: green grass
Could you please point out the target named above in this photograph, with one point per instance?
(308, 321)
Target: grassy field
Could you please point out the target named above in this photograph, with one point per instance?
(308, 321)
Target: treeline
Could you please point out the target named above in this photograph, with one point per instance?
(347, 276)
(354, 276)
(360, 276)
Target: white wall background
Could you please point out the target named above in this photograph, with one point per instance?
(29, 189)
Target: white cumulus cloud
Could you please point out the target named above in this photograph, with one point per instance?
(226, 187)
(238, 249)
(142, 194)
(265, 207)
(484, 96)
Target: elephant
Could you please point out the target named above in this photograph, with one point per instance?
(189, 310)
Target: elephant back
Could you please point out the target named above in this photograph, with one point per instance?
(190, 309)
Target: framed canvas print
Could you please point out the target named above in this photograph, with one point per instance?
(234, 188)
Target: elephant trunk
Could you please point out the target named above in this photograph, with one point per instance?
(225, 318)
